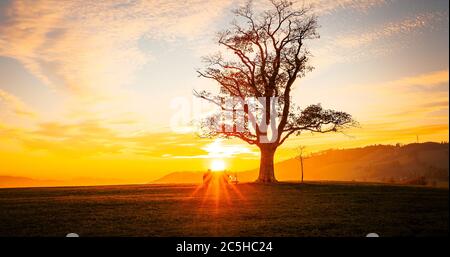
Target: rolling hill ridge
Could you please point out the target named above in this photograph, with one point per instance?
(378, 163)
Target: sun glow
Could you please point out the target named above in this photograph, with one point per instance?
(218, 165)
(218, 149)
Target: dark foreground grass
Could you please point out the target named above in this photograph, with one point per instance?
(312, 209)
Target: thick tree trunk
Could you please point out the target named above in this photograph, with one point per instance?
(266, 165)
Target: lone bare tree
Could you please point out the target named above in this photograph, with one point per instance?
(265, 55)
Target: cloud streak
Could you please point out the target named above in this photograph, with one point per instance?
(427, 80)
(324, 7)
(16, 105)
(93, 46)
(390, 29)
(376, 41)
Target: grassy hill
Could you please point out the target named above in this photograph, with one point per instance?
(424, 163)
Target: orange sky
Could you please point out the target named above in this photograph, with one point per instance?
(87, 88)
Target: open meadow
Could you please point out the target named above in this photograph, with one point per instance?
(283, 209)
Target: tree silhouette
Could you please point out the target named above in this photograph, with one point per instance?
(265, 55)
(300, 158)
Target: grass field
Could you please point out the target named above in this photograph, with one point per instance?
(285, 209)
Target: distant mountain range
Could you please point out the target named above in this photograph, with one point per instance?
(424, 163)
(186, 177)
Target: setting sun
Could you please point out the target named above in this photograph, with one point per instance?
(218, 165)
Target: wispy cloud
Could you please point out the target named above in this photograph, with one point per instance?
(369, 43)
(326, 7)
(93, 46)
(89, 52)
(409, 100)
(390, 29)
(15, 105)
(427, 80)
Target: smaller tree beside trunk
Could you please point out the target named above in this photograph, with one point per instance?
(300, 158)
